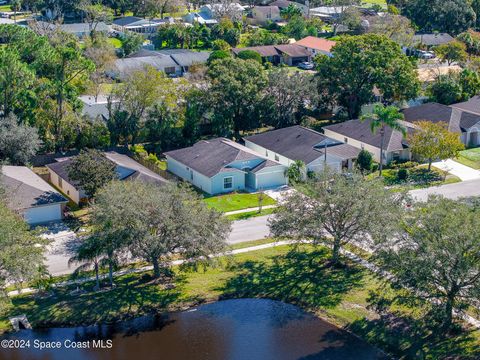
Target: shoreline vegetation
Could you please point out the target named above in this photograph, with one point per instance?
(298, 275)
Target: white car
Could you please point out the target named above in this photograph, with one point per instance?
(426, 55)
(306, 65)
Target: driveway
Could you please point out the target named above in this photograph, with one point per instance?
(465, 173)
(62, 248)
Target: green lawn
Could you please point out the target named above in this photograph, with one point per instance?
(470, 157)
(341, 295)
(236, 201)
(5, 8)
(250, 214)
(367, 3)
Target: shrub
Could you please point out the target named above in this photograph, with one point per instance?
(220, 44)
(374, 167)
(217, 55)
(402, 174)
(364, 161)
(250, 55)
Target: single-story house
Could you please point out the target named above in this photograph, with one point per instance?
(221, 165)
(317, 45)
(95, 110)
(175, 62)
(290, 54)
(126, 168)
(327, 13)
(458, 118)
(283, 4)
(185, 58)
(140, 25)
(262, 15)
(431, 40)
(30, 196)
(232, 10)
(200, 18)
(359, 135)
(293, 143)
(80, 30)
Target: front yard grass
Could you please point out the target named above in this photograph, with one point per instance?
(250, 214)
(302, 277)
(236, 201)
(470, 157)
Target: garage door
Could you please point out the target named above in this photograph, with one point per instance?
(43, 214)
(271, 180)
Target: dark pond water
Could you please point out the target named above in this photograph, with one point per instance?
(245, 329)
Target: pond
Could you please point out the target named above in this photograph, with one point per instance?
(243, 329)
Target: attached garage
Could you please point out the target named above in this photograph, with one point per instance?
(30, 196)
(44, 214)
(269, 175)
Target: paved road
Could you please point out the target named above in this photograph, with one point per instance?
(251, 229)
(451, 191)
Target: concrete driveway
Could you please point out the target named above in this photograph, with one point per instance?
(465, 173)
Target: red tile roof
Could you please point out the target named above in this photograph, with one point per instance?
(316, 43)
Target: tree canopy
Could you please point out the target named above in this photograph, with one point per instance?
(362, 63)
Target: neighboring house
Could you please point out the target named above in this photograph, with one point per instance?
(460, 118)
(289, 54)
(317, 45)
(95, 110)
(185, 58)
(233, 10)
(200, 18)
(140, 25)
(30, 196)
(431, 40)
(262, 15)
(283, 4)
(327, 13)
(299, 143)
(359, 135)
(220, 165)
(126, 168)
(80, 30)
(174, 62)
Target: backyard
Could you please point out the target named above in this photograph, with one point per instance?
(470, 157)
(300, 276)
(237, 201)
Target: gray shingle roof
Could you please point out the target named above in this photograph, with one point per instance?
(127, 20)
(128, 65)
(344, 151)
(472, 105)
(190, 58)
(432, 39)
(294, 142)
(24, 189)
(138, 171)
(273, 50)
(362, 132)
(213, 156)
(456, 119)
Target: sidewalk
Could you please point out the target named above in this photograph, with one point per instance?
(455, 168)
(249, 210)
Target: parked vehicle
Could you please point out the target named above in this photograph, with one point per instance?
(306, 65)
(426, 55)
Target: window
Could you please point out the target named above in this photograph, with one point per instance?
(169, 70)
(345, 140)
(60, 182)
(266, 152)
(277, 158)
(228, 182)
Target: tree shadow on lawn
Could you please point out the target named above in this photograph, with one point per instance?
(131, 297)
(406, 337)
(299, 277)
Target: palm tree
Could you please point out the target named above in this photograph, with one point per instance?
(381, 117)
(89, 254)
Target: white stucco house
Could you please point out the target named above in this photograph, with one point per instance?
(300, 143)
(30, 196)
